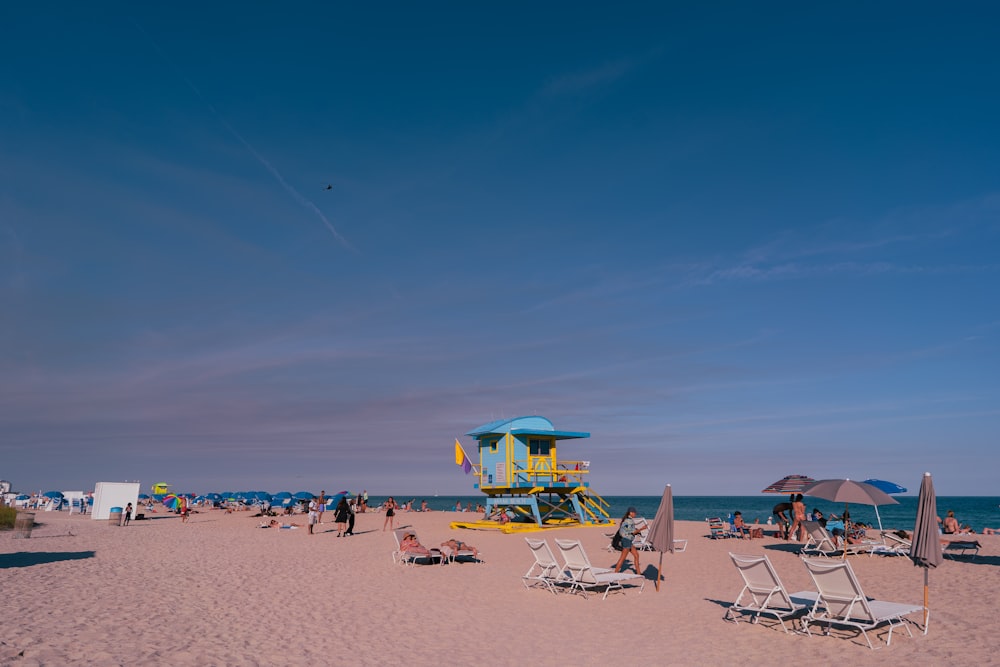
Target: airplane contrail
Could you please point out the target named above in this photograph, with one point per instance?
(295, 194)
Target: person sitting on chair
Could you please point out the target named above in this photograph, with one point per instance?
(411, 545)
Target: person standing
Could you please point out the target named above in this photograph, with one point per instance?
(351, 509)
(798, 530)
(627, 531)
(364, 500)
(321, 506)
(128, 514)
(390, 512)
(340, 516)
(183, 509)
(313, 514)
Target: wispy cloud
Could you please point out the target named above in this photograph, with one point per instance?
(585, 80)
(299, 198)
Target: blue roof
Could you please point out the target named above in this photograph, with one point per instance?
(533, 425)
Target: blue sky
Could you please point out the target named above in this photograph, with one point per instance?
(731, 242)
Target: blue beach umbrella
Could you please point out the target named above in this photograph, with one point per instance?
(23, 497)
(143, 496)
(53, 494)
(303, 495)
(885, 487)
(282, 494)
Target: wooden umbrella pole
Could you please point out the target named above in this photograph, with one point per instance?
(659, 573)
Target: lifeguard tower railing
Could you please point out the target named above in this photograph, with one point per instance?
(544, 493)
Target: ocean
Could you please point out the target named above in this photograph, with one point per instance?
(977, 511)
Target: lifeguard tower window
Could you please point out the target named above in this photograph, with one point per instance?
(538, 447)
(493, 446)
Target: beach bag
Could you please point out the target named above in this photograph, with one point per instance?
(616, 541)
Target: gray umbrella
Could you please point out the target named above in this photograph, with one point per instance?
(661, 531)
(847, 491)
(925, 551)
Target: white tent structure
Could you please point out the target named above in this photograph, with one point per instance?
(114, 494)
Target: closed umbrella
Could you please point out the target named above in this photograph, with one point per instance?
(661, 531)
(925, 551)
(789, 484)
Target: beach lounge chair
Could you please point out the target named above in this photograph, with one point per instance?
(961, 548)
(763, 593)
(452, 555)
(819, 542)
(842, 602)
(582, 576)
(893, 545)
(400, 557)
(546, 570)
(718, 529)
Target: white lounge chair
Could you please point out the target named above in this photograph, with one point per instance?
(842, 602)
(582, 576)
(763, 592)
(641, 541)
(892, 545)
(819, 542)
(546, 570)
(401, 557)
(454, 554)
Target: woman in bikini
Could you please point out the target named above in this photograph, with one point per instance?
(390, 512)
(799, 517)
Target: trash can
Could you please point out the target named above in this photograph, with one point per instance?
(23, 523)
(115, 518)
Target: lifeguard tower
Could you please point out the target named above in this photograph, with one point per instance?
(519, 469)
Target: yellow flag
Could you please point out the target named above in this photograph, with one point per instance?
(459, 453)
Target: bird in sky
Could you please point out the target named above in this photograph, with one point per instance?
(328, 187)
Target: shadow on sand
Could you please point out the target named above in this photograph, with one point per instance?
(28, 558)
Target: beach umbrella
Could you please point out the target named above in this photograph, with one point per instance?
(171, 501)
(925, 551)
(888, 487)
(789, 484)
(661, 531)
(53, 494)
(303, 495)
(282, 494)
(847, 491)
(143, 496)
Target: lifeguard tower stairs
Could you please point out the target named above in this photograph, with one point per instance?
(519, 470)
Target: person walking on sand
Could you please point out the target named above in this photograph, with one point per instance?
(340, 516)
(184, 509)
(127, 515)
(628, 531)
(390, 512)
(322, 506)
(350, 519)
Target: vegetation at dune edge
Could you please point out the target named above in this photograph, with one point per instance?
(7, 516)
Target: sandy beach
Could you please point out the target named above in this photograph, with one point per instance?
(221, 591)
